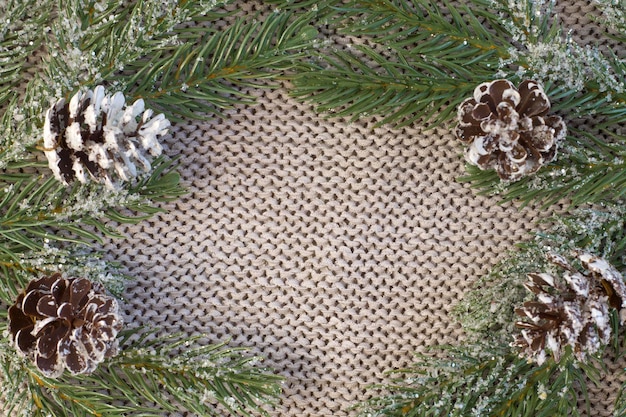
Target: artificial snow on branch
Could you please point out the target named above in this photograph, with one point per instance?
(79, 146)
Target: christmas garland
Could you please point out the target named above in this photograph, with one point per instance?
(90, 88)
(89, 91)
(540, 117)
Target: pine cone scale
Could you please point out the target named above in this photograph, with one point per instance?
(51, 366)
(49, 340)
(21, 326)
(47, 306)
(79, 288)
(75, 360)
(24, 339)
(534, 100)
(481, 112)
(30, 301)
(467, 133)
(17, 319)
(57, 289)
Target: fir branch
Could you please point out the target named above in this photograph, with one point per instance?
(35, 210)
(149, 376)
(179, 60)
(524, 22)
(19, 133)
(581, 80)
(482, 381)
(487, 310)
(18, 268)
(423, 27)
(598, 230)
(614, 14)
(414, 74)
(205, 73)
(90, 44)
(22, 31)
(355, 88)
(436, 54)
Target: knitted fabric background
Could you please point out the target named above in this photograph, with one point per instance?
(336, 250)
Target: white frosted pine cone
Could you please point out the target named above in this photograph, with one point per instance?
(99, 136)
(571, 309)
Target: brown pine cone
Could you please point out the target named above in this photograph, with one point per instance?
(65, 323)
(507, 128)
(570, 310)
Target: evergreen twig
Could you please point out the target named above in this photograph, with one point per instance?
(415, 73)
(416, 60)
(482, 380)
(183, 61)
(150, 375)
(487, 308)
(206, 72)
(22, 31)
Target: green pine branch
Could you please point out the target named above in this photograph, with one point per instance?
(150, 376)
(435, 29)
(417, 59)
(400, 92)
(614, 17)
(210, 70)
(416, 68)
(182, 61)
(22, 31)
(486, 310)
(482, 380)
(18, 267)
(489, 378)
(36, 209)
(585, 86)
(92, 40)
(414, 61)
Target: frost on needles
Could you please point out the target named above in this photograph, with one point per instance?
(77, 160)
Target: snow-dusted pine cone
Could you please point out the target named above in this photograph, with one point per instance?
(64, 323)
(97, 135)
(507, 128)
(571, 309)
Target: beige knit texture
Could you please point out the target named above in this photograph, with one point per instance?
(335, 250)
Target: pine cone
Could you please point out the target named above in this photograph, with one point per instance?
(65, 323)
(507, 128)
(98, 134)
(574, 312)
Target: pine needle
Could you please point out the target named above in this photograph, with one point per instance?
(150, 375)
(480, 380)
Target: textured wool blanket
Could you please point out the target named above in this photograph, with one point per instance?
(336, 250)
